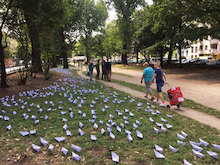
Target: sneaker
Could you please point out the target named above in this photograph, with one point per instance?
(157, 102)
(162, 105)
(154, 100)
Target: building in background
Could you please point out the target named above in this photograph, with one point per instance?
(204, 49)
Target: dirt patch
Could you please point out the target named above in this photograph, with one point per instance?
(32, 83)
(98, 152)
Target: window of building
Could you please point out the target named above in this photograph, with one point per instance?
(195, 56)
(213, 46)
(201, 47)
(196, 49)
(191, 56)
(206, 47)
(192, 49)
(187, 53)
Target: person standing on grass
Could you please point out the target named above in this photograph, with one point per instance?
(91, 66)
(97, 70)
(103, 70)
(160, 77)
(147, 76)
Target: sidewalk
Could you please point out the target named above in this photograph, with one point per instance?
(195, 115)
(200, 92)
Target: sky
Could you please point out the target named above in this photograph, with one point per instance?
(113, 15)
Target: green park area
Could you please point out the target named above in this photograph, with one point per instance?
(55, 108)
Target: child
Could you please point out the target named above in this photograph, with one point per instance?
(91, 66)
(159, 75)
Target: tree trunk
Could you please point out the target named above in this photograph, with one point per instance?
(180, 54)
(137, 55)
(124, 55)
(63, 50)
(87, 48)
(161, 57)
(2, 59)
(170, 53)
(54, 64)
(35, 45)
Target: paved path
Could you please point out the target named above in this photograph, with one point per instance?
(198, 116)
(207, 94)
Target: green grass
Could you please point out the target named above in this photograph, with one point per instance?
(188, 103)
(99, 152)
(122, 74)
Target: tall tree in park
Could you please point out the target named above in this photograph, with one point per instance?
(31, 10)
(112, 43)
(125, 9)
(70, 22)
(5, 7)
(93, 18)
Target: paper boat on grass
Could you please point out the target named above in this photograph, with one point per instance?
(139, 134)
(186, 162)
(43, 141)
(8, 127)
(173, 149)
(204, 142)
(213, 154)
(51, 147)
(35, 147)
(93, 137)
(198, 154)
(158, 148)
(75, 156)
(60, 139)
(216, 146)
(159, 155)
(64, 151)
(24, 133)
(115, 157)
(76, 148)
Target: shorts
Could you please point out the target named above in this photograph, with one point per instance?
(148, 88)
(159, 87)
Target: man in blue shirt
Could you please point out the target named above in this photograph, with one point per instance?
(148, 74)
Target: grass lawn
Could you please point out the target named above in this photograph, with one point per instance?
(129, 67)
(15, 148)
(188, 103)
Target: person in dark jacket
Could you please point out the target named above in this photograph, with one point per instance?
(97, 70)
(103, 70)
(108, 70)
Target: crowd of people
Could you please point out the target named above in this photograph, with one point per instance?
(106, 69)
(149, 76)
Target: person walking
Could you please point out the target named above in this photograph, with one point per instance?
(103, 70)
(147, 76)
(108, 70)
(97, 70)
(91, 66)
(160, 79)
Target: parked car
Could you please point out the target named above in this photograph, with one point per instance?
(201, 61)
(213, 63)
(185, 61)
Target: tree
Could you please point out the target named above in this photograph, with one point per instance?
(112, 43)
(125, 9)
(93, 18)
(7, 7)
